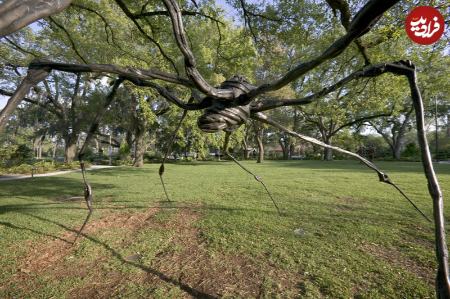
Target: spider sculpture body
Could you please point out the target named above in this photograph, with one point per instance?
(225, 115)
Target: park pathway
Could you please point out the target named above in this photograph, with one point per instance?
(28, 176)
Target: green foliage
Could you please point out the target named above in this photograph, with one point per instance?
(411, 150)
(41, 167)
(22, 153)
(6, 153)
(124, 150)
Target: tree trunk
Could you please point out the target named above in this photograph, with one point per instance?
(397, 150)
(260, 146)
(38, 142)
(443, 273)
(448, 125)
(39, 150)
(291, 150)
(70, 149)
(327, 152)
(54, 150)
(129, 141)
(139, 148)
(284, 147)
(36, 147)
(246, 152)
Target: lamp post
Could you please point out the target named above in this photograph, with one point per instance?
(110, 149)
(436, 136)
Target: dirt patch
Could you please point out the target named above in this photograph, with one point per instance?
(419, 235)
(216, 274)
(185, 263)
(396, 258)
(69, 198)
(47, 256)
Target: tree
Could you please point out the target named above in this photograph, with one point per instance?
(394, 128)
(71, 102)
(15, 15)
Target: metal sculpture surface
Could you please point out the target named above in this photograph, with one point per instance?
(229, 105)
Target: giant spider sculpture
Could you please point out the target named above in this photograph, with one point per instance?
(235, 101)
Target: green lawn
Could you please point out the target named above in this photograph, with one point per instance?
(221, 236)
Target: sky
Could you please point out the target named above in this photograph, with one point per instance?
(3, 101)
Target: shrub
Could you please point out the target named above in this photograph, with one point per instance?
(22, 169)
(6, 153)
(411, 150)
(124, 150)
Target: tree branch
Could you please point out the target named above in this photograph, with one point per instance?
(98, 117)
(18, 47)
(53, 99)
(32, 78)
(105, 22)
(345, 15)
(363, 22)
(183, 12)
(34, 102)
(383, 134)
(189, 59)
(359, 120)
(14, 15)
(128, 72)
(366, 72)
(72, 43)
(130, 15)
(170, 96)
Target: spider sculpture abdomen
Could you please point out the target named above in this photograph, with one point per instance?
(224, 115)
(219, 117)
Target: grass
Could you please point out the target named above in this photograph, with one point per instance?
(221, 236)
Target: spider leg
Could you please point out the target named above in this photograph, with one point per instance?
(168, 151)
(88, 198)
(88, 195)
(257, 178)
(383, 177)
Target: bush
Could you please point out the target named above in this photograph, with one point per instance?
(443, 154)
(120, 162)
(411, 150)
(151, 157)
(21, 169)
(124, 150)
(42, 167)
(313, 156)
(6, 153)
(22, 153)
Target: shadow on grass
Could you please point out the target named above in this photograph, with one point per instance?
(13, 226)
(354, 165)
(35, 206)
(46, 187)
(188, 289)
